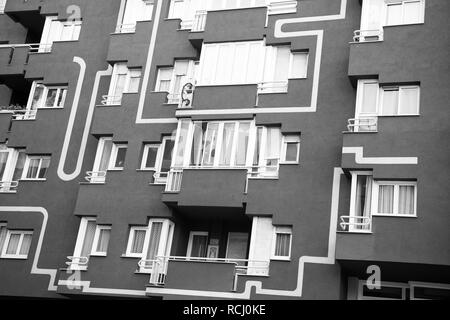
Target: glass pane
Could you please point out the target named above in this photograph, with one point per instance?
(210, 144)
(37, 97)
(299, 65)
(199, 246)
(103, 240)
(45, 163)
(390, 102)
(138, 241)
(282, 63)
(282, 245)
(256, 156)
(409, 101)
(3, 159)
(51, 98)
(120, 159)
(61, 98)
(181, 143)
(33, 169)
(369, 98)
(412, 12)
(150, 162)
(394, 14)
(19, 166)
(197, 143)
(106, 155)
(26, 244)
(227, 144)
(13, 244)
(386, 199)
(363, 202)
(242, 143)
(273, 146)
(155, 237)
(88, 238)
(291, 151)
(3, 233)
(406, 200)
(167, 156)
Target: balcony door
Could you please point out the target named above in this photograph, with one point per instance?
(157, 245)
(361, 202)
(237, 246)
(198, 244)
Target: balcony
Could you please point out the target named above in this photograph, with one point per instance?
(363, 124)
(8, 186)
(368, 35)
(98, 177)
(356, 224)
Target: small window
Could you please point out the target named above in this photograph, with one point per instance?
(118, 154)
(291, 149)
(101, 240)
(198, 244)
(164, 78)
(36, 167)
(396, 198)
(282, 243)
(299, 65)
(17, 244)
(150, 156)
(136, 241)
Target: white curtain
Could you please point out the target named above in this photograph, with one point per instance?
(386, 199)
(103, 240)
(13, 244)
(138, 241)
(155, 238)
(282, 244)
(26, 244)
(406, 200)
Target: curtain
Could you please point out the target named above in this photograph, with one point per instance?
(242, 144)
(199, 246)
(88, 238)
(227, 143)
(155, 238)
(13, 244)
(138, 241)
(210, 144)
(103, 240)
(282, 244)
(406, 200)
(33, 169)
(386, 199)
(26, 244)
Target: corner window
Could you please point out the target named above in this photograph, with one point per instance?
(17, 244)
(395, 198)
(290, 149)
(172, 80)
(56, 30)
(36, 167)
(123, 80)
(135, 11)
(2, 6)
(282, 243)
(404, 12)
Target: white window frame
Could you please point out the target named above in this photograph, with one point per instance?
(121, 69)
(281, 230)
(160, 157)
(17, 254)
(396, 184)
(192, 234)
(186, 77)
(398, 285)
(131, 27)
(402, 3)
(145, 153)
(131, 237)
(98, 230)
(61, 90)
(26, 167)
(46, 42)
(290, 139)
(383, 89)
(114, 152)
(80, 242)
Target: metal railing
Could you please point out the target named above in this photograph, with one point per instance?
(173, 98)
(367, 35)
(365, 124)
(126, 28)
(24, 114)
(199, 22)
(77, 261)
(355, 223)
(95, 176)
(158, 267)
(280, 7)
(174, 178)
(111, 100)
(8, 186)
(273, 86)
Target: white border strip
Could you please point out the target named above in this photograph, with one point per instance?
(360, 159)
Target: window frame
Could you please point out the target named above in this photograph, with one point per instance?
(284, 143)
(160, 158)
(388, 3)
(113, 157)
(145, 153)
(80, 242)
(192, 234)
(17, 254)
(114, 98)
(26, 167)
(98, 230)
(281, 230)
(362, 283)
(131, 237)
(396, 184)
(2, 6)
(61, 90)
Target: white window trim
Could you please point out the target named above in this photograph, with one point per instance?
(281, 230)
(114, 152)
(80, 242)
(289, 139)
(399, 89)
(402, 3)
(2, 226)
(159, 159)
(396, 184)
(399, 285)
(131, 237)
(145, 152)
(26, 167)
(192, 234)
(98, 230)
(61, 90)
(45, 43)
(16, 255)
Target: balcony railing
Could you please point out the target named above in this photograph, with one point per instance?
(365, 124)
(199, 22)
(126, 28)
(158, 267)
(80, 262)
(367, 35)
(355, 223)
(8, 186)
(95, 176)
(24, 114)
(111, 100)
(273, 87)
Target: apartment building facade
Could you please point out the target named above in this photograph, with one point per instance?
(227, 149)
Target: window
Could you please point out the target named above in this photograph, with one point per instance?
(266, 156)
(282, 243)
(123, 80)
(290, 149)
(2, 6)
(387, 291)
(12, 162)
(172, 80)
(158, 158)
(150, 156)
(109, 156)
(395, 198)
(404, 12)
(360, 202)
(35, 167)
(92, 240)
(135, 10)
(136, 241)
(17, 244)
(373, 100)
(42, 96)
(118, 154)
(55, 30)
(198, 244)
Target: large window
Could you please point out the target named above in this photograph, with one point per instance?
(14, 244)
(395, 198)
(110, 156)
(35, 167)
(172, 79)
(134, 11)
(404, 12)
(150, 242)
(56, 30)
(375, 100)
(123, 80)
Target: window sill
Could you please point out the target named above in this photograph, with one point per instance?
(280, 259)
(13, 258)
(394, 215)
(397, 115)
(403, 24)
(115, 170)
(146, 170)
(50, 108)
(125, 256)
(289, 163)
(8, 192)
(32, 180)
(98, 255)
(354, 232)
